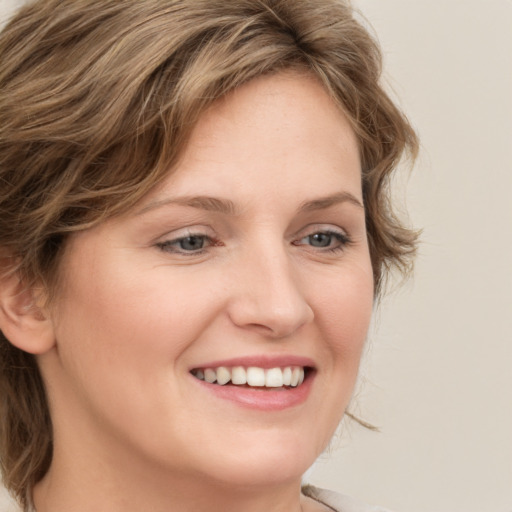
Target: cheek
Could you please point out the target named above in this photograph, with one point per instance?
(119, 339)
(131, 322)
(344, 314)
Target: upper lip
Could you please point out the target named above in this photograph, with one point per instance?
(260, 361)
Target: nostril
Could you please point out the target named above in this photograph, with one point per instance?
(267, 297)
(271, 322)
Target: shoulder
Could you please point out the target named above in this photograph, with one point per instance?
(339, 502)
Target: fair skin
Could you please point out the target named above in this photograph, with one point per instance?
(252, 253)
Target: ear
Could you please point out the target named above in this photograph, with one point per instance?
(23, 321)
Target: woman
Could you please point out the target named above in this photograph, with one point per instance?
(195, 226)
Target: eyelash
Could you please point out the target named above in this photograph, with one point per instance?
(173, 246)
(343, 240)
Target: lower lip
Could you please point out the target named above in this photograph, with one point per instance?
(265, 399)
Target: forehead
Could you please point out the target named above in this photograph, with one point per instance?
(275, 131)
(269, 106)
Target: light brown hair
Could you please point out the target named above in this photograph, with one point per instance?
(97, 100)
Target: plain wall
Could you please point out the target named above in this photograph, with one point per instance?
(438, 379)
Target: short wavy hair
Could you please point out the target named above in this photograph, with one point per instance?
(97, 101)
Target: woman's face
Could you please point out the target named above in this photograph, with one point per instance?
(252, 254)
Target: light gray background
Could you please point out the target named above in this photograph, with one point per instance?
(438, 377)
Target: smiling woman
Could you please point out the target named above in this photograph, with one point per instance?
(195, 226)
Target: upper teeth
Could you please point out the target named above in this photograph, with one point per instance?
(253, 376)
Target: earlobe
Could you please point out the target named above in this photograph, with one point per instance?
(23, 321)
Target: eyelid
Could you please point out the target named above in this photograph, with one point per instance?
(172, 239)
(172, 245)
(311, 229)
(341, 235)
(185, 231)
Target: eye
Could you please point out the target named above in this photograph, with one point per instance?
(329, 240)
(320, 239)
(190, 244)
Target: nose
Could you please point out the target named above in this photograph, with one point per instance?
(268, 298)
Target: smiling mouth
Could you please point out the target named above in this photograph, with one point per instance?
(253, 376)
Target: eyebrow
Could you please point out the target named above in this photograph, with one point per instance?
(211, 204)
(326, 202)
(227, 207)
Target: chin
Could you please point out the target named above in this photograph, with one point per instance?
(263, 473)
(264, 462)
